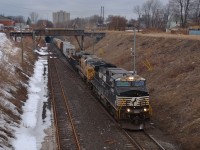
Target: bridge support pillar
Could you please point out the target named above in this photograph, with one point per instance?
(34, 46)
(82, 42)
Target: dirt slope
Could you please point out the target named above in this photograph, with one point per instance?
(13, 85)
(171, 65)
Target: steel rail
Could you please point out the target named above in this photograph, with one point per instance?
(146, 135)
(68, 110)
(159, 145)
(54, 109)
(132, 140)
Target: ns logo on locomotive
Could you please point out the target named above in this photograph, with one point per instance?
(122, 92)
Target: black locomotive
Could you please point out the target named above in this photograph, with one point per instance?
(122, 92)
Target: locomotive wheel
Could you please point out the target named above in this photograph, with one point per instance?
(90, 86)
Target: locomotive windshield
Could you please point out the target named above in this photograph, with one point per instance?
(123, 83)
(139, 83)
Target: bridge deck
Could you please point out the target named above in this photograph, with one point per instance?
(55, 32)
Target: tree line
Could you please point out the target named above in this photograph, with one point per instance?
(151, 14)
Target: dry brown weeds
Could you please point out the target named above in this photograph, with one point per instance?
(15, 79)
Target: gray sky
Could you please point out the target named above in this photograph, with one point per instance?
(77, 8)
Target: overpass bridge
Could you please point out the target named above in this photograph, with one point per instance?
(55, 32)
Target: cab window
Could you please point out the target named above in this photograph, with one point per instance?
(139, 83)
(123, 83)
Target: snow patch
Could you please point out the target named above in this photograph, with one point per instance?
(1, 54)
(42, 51)
(31, 134)
(27, 141)
(30, 109)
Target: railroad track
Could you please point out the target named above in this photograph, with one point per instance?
(66, 135)
(143, 140)
(139, 140)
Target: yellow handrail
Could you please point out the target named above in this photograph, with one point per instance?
(119, 108)
(148, 65)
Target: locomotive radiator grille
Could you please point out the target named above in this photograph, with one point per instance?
(132, 101)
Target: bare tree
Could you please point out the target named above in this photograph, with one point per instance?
(131, 23)
(137, 9)
(195, 12)
(182, 7)
(28, 22)
(93, 21)
(156, 13)
(165, 17)
(146, 12)
(88, 22)
(153, 14)
(34, 17)
(44, 24)
(79, 23)
(116, 23)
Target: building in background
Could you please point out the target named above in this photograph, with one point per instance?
(7, 23)
(61, 19)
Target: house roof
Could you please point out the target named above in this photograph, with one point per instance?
(2, 18)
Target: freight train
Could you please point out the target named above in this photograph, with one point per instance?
(123, 93)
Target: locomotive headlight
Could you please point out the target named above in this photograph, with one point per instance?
(131, 78)
(128, 110)
(145, 109)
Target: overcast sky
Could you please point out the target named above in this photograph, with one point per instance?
(76, 8)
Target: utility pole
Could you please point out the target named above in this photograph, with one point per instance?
(133, 52)
(100, 23)
(34, 46)
(22, 46)
(93, 41)
(103, 16)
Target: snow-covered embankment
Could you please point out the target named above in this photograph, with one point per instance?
(31, 134)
